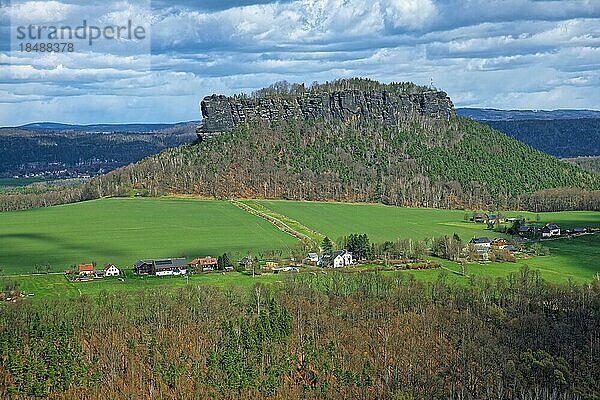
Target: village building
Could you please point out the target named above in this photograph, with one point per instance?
(579, 230)
(108, 271)
(162, 267)
(493, 218)
(207, 263)
(481, 242)
(499, 244)
(550, 230)
(87, 270)
(271, 264)
(480, 218)
(524, 230)
(312, 257)
(246, 262)
(335, 259)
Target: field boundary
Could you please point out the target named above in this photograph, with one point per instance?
(281, 222)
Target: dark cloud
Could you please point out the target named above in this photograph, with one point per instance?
(502, 53)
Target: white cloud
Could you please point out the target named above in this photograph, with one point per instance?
(505, 54)
(39, 12)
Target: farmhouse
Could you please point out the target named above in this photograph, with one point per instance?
(335, 259)
(110, 270)
(312, 257)
(550, 230)
(246, 262)
(499, 244)
(207, 263)
(87, 270)
(483, 243)
(271, 264)
(480, 218)
(162, 267)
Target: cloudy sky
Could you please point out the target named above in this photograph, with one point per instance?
(484, 53)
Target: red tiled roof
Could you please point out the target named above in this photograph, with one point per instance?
(204, 261)
(86, 268)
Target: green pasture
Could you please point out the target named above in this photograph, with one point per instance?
(383, 222)
(121, 231)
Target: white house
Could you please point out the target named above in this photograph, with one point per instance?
(312, 257)
(335, 259)
(550, 230)
(482, 243)
(111, 270)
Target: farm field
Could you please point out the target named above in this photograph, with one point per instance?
(14, 182)
(121, 231)
(57, 286)
(577, 258)
(383, 222)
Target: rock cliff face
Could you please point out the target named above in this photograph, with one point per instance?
(221, 113)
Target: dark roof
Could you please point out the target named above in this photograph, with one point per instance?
(328, 257)
(524, 228)
(550, 227)
(481, 240)
(143, 262)
(164, 263)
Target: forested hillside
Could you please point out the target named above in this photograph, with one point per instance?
(419, 162)
(561, 137)
(54, 151)
(591, 164)
(327, 336)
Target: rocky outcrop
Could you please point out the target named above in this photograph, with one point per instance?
(221, 113)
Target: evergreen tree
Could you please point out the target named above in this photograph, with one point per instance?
(326, 245)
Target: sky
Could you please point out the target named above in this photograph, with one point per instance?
(507, 54)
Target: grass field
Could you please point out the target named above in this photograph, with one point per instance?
(121, 231)
(382, 222)
(124, 230)
(56, 285)
(577, 258)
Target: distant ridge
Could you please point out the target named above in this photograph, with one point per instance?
(492, 114)
(97, 128)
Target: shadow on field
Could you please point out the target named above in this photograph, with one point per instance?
(86, 250)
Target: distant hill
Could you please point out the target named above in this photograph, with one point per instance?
(105, 128)
(51, 150)
(591, 164)
(491, 114)
(349, 141)
(561, 133)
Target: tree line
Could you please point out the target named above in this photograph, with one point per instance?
(418, 163)
(335, 336)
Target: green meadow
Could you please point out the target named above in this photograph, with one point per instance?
(383, 222)
(122, 231)
(57, 286)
